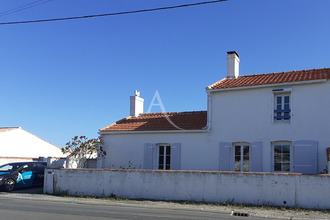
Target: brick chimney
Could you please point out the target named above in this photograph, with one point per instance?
(232, 65)
(136, 107)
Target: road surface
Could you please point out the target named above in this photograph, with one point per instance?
(15, 206)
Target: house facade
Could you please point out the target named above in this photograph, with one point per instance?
(275, 122)
(17, 145)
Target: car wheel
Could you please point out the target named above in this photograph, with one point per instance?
(9, 185)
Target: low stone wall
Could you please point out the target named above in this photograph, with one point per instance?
(291, 190)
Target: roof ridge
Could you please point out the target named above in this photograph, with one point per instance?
(283, 72)
(9, 127)
(274, 78)
(173, 113)
(4, 129)
(167, 121)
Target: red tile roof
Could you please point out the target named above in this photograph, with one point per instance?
(161, 121)
(272, 78)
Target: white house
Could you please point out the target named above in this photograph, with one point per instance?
(17, 144)
(274, 122)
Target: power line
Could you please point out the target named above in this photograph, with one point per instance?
(23, 7)
(111, 14)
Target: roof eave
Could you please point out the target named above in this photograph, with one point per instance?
(108, 126)
(268, 85)
(154, 132)
(216, 83)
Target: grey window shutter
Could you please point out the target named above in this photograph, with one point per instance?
(148, 156)
(176, 156)
(305, 157)
(224, 156)
(256, 157)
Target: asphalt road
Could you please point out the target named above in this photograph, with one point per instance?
(19, 205)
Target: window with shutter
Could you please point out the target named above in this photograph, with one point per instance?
(282, 156)
(176, 156)
(282, 111)
(242, 157)
(256, 156)
(148, 156)
(225, 163)
(162, 156)
(305, 157)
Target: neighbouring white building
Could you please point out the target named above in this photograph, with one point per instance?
(17, 144)
(274, 122)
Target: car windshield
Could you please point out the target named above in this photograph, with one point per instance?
(8, 167)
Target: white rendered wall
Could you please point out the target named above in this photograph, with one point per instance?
(307, 191)
(236, 116)
(20, 143)
(197, 152)
(247, 116)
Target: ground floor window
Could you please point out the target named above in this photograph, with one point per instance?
(164, 157)
(242, 157)
(282, 156)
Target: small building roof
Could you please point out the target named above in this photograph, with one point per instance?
(195, 120)
(4, 129)
(272, 78)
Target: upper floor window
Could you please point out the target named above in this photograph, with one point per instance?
(282, 103)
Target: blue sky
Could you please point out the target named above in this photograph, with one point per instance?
(67, 78)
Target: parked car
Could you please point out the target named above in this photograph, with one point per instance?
(22, 174)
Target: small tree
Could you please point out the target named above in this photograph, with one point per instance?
(81, 149)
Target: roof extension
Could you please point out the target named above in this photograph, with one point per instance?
(272, 78)
(195, 120)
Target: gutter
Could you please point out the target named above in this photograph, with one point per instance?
(209, 110)
(153, 132)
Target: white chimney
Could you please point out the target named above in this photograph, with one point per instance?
(232, 65)
(136, 104)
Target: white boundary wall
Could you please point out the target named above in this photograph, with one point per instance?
(292, 190)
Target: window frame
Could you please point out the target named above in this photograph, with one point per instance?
(241, 145)
(157, 156)
(281, 143)
(282, 92)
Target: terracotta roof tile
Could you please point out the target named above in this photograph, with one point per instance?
(161, 121)
(272, 78)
